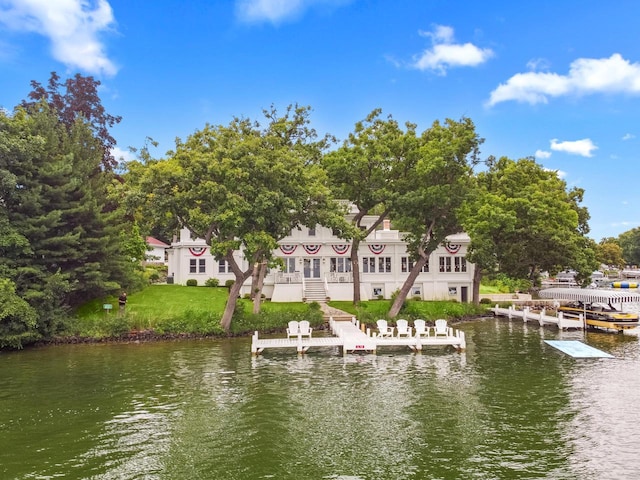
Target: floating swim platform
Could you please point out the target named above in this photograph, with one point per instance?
(577, 349)
(624, 284)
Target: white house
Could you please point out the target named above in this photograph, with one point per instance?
(317, 266)
(156, 251)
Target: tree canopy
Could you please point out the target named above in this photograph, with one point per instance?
(365, 171)
(245, 186)
(431, 193)
(522, 220)
(60, 230)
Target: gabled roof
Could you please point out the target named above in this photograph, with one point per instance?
(154, 242)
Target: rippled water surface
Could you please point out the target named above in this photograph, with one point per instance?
(510, 407)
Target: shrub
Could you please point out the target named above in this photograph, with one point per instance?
(229, 283)
(192, 282)
(212, 282)
(485, 301)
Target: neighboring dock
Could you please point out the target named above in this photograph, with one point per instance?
(349, 335)
(541, 317)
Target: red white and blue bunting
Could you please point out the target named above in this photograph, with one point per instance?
(312, 249)
(341, 249)
(288, 249)
(377, 249)
(197, 251)
(452, 248)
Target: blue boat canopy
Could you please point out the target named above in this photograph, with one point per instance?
(590, 295)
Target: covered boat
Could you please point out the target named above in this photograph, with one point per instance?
(599, 308)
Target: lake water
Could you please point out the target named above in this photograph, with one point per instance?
(510, 407)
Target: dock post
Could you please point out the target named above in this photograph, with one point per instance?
(254, 343)
(525, 314)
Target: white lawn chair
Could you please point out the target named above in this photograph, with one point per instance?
(293, 330)
(420, 328)
(441, 329)
(305, 329)
(384, 330)
(403, 328)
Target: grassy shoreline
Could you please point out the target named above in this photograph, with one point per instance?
(169, 312)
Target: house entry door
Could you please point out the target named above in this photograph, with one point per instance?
(311, 268)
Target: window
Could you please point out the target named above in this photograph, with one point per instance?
(460, 264)
(197, 265)
(339, 264)
(406, 265)
(312, 232)
(223, 266)
(445, 264)
(289, 265)
(384, 264)
(369, 264)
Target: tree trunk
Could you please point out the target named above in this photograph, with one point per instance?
(355, 270)
(254, 279)
(230, 307)
(257, 290)
(477, 278)
(406, 287)
(234, 291)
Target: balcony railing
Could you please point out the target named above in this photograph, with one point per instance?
(339, 277)
(294, 277)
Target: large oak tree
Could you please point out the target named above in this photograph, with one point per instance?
(364, 171)
(244, 186)
(438, 183)
(522, 220)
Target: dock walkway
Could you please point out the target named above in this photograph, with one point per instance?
(541, 317)
(349, 335)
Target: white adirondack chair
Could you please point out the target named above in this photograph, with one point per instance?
(293, 330)
(403, 328)
(441, 328)
(305, 329)
(420, 328)
(384, 330)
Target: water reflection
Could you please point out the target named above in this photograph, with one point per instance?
(509, 407)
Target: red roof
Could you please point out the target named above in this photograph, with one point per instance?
(154, 242)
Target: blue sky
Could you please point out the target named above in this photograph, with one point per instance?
(558, 80)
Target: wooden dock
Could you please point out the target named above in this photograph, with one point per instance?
(350, 337)
(541, 317)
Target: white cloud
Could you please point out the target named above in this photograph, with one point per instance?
(122, 155)
(445, 54)
(72, 26)
(542, 154)
(584, 147)
(628, 136)
(277, 11)
(586, 76)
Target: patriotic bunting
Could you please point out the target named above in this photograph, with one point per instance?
(197, 251)
(340, 249)
(311, 249)
(376, 248)
(288, 249)
(452, 248)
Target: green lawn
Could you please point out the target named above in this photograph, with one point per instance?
(178, 309)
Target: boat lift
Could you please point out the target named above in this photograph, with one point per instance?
(590, 296)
